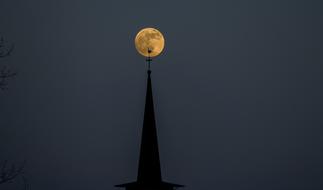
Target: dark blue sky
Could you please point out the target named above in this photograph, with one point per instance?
(238, 92)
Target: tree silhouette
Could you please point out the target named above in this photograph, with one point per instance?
(9, 173)
(5, 73)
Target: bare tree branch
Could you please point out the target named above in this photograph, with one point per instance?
(7, 174)
(5, 73)
(5, 48)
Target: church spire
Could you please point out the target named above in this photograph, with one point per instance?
(149, 164)
(149, 172)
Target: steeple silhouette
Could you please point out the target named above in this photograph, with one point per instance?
(149, 164)
(149, 172)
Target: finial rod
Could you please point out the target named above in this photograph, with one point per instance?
(149, 60)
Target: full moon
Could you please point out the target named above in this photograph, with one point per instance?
(149, 42)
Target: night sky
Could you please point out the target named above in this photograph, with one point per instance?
(238, 93)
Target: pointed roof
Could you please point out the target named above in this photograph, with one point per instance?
(149, 172)
(149, 163)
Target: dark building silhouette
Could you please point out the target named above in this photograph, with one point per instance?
(149, 172)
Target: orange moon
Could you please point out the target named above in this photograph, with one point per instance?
(149, 42)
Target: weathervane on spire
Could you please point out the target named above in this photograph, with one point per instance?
(148, 59)
(150, 43)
